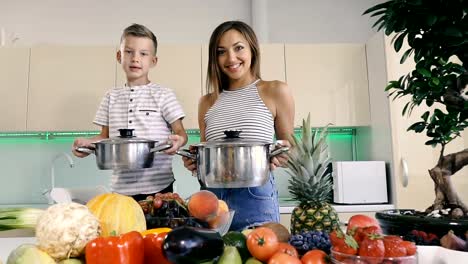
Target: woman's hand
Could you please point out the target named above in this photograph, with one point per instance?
(280, 160)
(189, 163)
(82, 142)
(177, 142)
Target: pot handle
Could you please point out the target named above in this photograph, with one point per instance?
(277, 151)
(161, 147)
(186, 153)
(86, 150)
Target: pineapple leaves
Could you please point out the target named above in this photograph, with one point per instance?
(309, 166)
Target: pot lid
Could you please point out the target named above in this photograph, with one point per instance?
(232, 138)
(126, 137)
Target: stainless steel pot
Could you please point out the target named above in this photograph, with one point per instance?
(233, 162)
(125, 152)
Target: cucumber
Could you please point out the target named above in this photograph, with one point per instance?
(238, 240)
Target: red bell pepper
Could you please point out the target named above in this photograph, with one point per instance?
(153, 248)
(127, 248)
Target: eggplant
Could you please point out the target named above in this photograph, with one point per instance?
(192, 245)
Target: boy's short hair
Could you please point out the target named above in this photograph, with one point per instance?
(138, 30)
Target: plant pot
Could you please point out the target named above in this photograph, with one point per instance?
(403, 221)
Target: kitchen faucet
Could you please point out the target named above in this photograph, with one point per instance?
(46, 192)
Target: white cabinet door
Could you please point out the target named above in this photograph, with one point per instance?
(271, 63)
(67, 85)
(14, 68)
(409, 150)
(178, 68)
(329, 81)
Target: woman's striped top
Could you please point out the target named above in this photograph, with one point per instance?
(150, 110)
(240, 109)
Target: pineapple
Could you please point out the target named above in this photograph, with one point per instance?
(311, 182)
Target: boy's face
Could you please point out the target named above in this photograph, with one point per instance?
(137, 56)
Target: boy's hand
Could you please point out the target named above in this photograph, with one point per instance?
(190, 164)
(280, 160)
(81, 142)
(177, 142)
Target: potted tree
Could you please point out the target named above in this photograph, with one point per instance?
(436, 32)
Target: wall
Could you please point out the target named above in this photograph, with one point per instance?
(183, 21)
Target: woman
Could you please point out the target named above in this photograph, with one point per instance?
(237, 99)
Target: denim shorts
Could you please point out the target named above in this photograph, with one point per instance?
(253, 206)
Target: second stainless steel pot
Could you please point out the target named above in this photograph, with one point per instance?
(125, 152)
(233, 162)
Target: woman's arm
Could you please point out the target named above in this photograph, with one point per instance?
(277, 96)
(203, 106)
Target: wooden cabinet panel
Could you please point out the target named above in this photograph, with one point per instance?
(271, 63)
(409, 148)
(330, 82)
(14, 66)
(66, 86)
(178, 68)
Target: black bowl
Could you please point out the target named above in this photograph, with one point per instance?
(403, 221)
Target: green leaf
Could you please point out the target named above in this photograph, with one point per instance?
(378, 13)
(380, 20)
(453, 32)
(424, 72)
(431, 20)
(377, 7)
(435, 80)
(405, 109)
(392, 84)
(432, 142)
(425, 116)
(417, 127)
(429, 102)
(399, 41)
(406, 55)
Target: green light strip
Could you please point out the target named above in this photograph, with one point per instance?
(46, 135)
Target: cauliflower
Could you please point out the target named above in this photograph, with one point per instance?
(64, 229)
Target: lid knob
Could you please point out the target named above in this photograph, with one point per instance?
(126, 132)
(232, 133)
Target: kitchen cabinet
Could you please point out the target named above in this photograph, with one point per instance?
(409, 151)
(329, 81)
(271, 63)
(179, 68)
(14, 65)
(66, 85)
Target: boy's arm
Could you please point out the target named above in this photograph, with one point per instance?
(86, 142)
(179, 138)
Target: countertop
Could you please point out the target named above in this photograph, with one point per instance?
(7, 245)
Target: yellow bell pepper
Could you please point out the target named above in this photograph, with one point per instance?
(156, 231)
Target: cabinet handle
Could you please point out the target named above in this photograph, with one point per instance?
(404, 175)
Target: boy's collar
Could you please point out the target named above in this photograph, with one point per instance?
(136, 86)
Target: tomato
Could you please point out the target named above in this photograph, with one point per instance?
(360, 220)
(283, 258)
(262, 243)
(314, 256)
(288, 249)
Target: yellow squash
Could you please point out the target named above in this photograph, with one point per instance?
(117, 213)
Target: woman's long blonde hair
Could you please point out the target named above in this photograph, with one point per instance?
(216, 80)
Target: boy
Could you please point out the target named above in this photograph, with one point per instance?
(144, 106)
